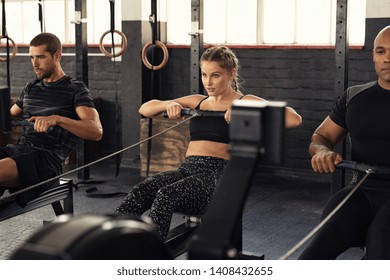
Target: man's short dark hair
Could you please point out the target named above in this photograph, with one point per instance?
(51, 41)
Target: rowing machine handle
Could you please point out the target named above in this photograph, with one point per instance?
(346, 164)
(362, 167)
(26, 123)
(184, 112)
(199, 113)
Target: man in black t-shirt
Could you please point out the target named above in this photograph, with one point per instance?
(61, 110)
(363, 113)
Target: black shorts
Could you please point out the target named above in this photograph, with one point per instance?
(34, 165)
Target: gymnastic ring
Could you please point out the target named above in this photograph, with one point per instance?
(14, 49)
(145, 59)
(123, 45)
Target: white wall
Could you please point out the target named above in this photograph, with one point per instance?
(378, 8)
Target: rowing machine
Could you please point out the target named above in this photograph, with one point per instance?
(256, 132)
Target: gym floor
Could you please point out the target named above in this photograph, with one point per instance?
(279, 212)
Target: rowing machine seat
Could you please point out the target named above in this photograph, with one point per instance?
(62, 191)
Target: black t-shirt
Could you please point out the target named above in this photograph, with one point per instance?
(364, 111)
(61, 97)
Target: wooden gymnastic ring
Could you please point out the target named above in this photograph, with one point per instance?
(14, 49)
(123, 45)
(145, 59)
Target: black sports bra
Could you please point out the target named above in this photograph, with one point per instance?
(214, 129)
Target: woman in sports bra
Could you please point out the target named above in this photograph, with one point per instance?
(190, 188)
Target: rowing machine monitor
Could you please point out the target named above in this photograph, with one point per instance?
(256, 133)
(258, 126)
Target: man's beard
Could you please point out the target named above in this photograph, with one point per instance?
(46, 74)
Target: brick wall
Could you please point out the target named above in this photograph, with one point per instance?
(303, 78)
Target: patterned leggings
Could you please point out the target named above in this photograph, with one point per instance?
(187, 190)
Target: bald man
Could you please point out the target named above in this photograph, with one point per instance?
(363, 113)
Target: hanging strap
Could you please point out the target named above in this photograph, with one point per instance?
(118, 134)
(153, 21)
(5, 35)
(153, 25)
(41, 15)
(3, 29)
(112, 24)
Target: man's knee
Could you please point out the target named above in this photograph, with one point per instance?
(8, 172)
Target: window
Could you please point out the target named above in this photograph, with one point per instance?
(310, 22)
(23, 24)
(245, 22)
(224, 21)
(295, 22)
(229, 21)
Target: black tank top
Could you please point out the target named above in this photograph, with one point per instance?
(214, 129)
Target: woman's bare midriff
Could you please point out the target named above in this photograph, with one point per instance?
(208, 148)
